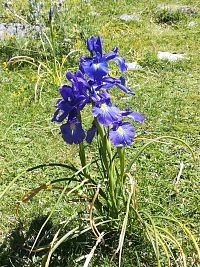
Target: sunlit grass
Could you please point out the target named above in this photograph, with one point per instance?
(167, 95)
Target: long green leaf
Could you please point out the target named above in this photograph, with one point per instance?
(186, 230)
(61, 195)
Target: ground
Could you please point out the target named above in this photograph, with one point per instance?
(167, 93)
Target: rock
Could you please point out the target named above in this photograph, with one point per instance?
(187, 10)
(170, 56)
(17, 29)
(133, 17)
(133, 66)
(94, 13)
(192, 24)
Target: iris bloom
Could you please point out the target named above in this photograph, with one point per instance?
(95, 91)
(72, 131)
(109, 82)
(96, 67)
(106, 114)
(136, 116)
(75, 96)
(121, 134)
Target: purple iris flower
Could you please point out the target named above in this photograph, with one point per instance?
(106, 114)
(96, 67)
(94, 45)
(72, 131)
(109, 82)
(63, 109)
(75, 96)
(91, 133)
(122, 134)
(50, 14)
(136, 116)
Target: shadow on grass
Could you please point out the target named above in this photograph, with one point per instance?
(15, 251)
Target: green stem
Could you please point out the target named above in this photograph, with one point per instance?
(56, 76)
(83, 158)
(122, 176)
(82, 152)
(109, 165)
(121, 153)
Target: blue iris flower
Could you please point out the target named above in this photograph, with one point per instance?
(75, 96)
(94, 45)
(136, 116)
(72, 131)
(121, 134)
(96, 67)
(109, 82)
(95, 91)
(91, 133)
(106, 114)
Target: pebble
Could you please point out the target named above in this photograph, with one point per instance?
(133, 66)
(16, 29)
(94, 13)
(170, 56)
(126, 17)
(187, 10)
(192, 24)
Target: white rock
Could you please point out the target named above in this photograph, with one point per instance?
(133, 66)
(187, 10)
(192, 24)
(94, 13)
(127, 17)
(170, 56)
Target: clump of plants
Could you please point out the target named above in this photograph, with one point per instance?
(168, 16)
(106, 181)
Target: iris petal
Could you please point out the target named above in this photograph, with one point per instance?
(91, 133)
(136, 116)
(106, 115)
(121, 63)
(94, 45)
(72, 132)
(122, 135)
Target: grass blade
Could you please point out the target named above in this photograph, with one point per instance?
(125, 222)
(156, 140)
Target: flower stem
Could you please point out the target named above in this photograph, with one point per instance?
(56, 76)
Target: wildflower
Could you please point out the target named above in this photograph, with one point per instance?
(91, 133)
(106, 114)
(96, 67)
(108, 82)
(72, 131)
(136, 116)
(50, 14)
(94, 45)
(74, 96)
(95, 90)
(121, 134)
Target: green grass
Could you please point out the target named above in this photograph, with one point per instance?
(168, 97)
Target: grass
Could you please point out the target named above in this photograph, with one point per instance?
(168, 95)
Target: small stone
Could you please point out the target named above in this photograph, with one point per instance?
(133, 66)
(192, 24)
(187, 10)
(126, 17)
(94, 13)
(17, 29)
(170, 56)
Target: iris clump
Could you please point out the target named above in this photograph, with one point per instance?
(90, 85)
